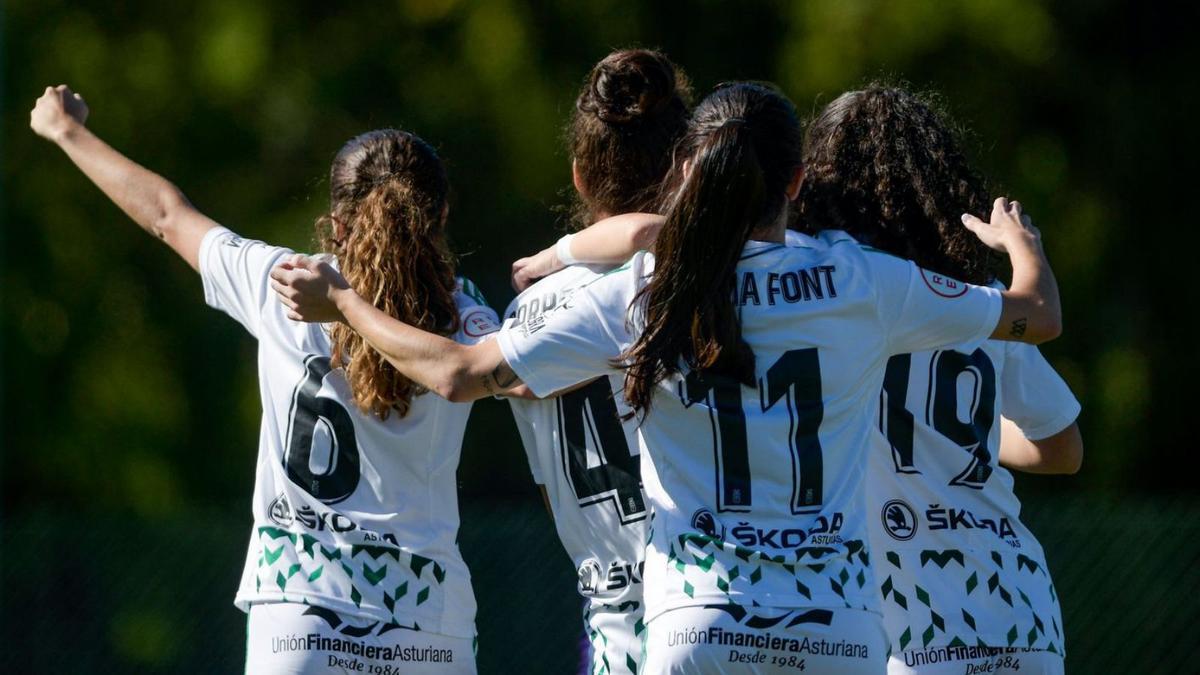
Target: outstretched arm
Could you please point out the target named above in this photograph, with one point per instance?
(314, 291)
(611, 240)
(1031, 311)
(1059, 453)
(150, 200)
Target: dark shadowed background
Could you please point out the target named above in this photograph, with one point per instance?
(130, 410)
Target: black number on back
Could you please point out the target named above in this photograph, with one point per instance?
(794, 378)
(942, 410)
(972, 435)
(731, 454)
(310, 413)
(591, 412)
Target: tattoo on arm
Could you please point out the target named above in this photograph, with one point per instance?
(504, 376)
(487, 384)
(501, 379)
(1018, 327)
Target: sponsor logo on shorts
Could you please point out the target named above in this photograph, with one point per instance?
(756, 639)
(988, 659)
(899, 520)
(346, 652)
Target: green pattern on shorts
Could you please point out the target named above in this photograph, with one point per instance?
(616, 650)
(986, 599)
(381, 579)
(704, 565)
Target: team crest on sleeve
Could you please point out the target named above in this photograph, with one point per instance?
(478, 324)
(943, 285)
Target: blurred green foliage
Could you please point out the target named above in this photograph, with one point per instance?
(124, 392)
(123, 395)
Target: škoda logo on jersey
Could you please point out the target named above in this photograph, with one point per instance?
(826, 531)
(594, 581)
(899, 520)
(282, 514)
(943, 285)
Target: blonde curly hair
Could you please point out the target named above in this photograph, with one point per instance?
(386, 225)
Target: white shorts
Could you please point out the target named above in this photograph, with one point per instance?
(615, 641)
(284, 638)
(760, 640)
(975, 661)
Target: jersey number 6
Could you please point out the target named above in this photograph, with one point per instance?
(314, 416)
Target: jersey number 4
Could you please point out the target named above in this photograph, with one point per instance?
(941, 410)
(591, 413)
(318, 417)
(794, 380)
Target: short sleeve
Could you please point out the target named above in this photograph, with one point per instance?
(235, 273)
(922, 310)
(1033, 395)
(477, 321)
(576, 341)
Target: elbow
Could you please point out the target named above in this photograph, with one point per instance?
(642, 238)
(456, 393)
(1047, 328)
(1069, 461)
(453, 385)
(451, 389)
(1073, 459)
(1054, 327)
(1074, 465)
(168, 208)
(644, 233)
(1067, 452)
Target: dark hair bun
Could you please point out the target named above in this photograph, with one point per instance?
(628, 86)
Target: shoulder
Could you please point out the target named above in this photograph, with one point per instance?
(547, 290)
(477, 318)
(467, 294)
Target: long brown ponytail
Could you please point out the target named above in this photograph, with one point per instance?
(387, 228)
(741, 150)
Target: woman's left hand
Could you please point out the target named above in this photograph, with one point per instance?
(528, 270)
(310, 289)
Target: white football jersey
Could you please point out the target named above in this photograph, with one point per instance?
(587, 460)
(955, 564)
(351, 513)
(757, 493)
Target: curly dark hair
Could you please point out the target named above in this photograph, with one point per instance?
(885, 164)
